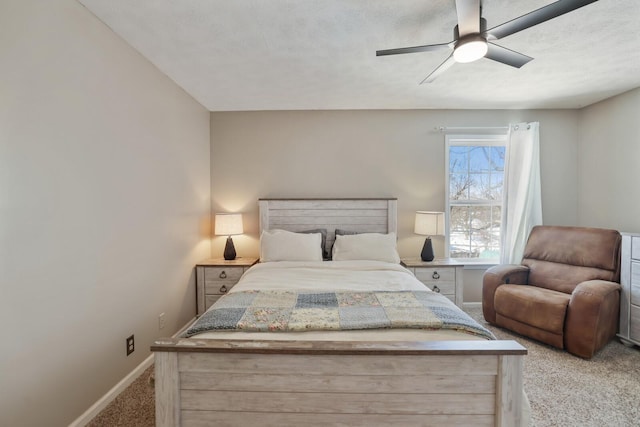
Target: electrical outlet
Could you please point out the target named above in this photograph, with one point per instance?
(161, 322)
(130, 345)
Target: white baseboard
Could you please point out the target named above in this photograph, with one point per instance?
(102, 403)
(471, 305)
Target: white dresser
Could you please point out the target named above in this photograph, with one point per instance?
(630, 298)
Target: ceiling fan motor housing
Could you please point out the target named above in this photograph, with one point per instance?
(483, 29)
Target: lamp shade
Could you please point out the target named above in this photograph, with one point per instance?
(429, 223)
(228, 224)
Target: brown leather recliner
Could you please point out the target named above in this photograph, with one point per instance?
(566, 292)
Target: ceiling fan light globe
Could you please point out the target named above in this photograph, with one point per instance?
(470, 50)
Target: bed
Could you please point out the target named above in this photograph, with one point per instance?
(402, 376)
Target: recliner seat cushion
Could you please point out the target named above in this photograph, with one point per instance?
(542, 308)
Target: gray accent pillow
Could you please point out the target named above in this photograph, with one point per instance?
(340, 232)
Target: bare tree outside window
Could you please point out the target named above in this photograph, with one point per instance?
(475, 173)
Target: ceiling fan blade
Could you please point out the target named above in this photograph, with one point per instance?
(440, 69)
(468, 12)
(506, 56)
(425, 48)
(536, 17)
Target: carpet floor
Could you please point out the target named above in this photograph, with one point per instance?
(563, 390)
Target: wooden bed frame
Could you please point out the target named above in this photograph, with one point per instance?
(202, 382)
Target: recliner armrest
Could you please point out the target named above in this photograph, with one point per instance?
(592, 288)
(592, 316)
(510, 273)
(496, 276)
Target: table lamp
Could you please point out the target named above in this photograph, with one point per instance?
(429, 224)
(228, 224)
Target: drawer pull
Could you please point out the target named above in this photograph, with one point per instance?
(436, 289)
(223, 289)
(435, 275)
(223, 275)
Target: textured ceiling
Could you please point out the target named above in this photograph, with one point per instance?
(320, 54)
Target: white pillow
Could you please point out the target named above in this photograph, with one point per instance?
(281, 245)
(366, 246)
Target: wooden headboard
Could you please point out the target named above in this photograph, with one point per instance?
(363, 215)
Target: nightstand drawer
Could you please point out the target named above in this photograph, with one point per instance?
(218, 288)
(444, 288)
(222, 275)
(435, 275)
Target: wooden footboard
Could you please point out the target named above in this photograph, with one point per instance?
(287, 383)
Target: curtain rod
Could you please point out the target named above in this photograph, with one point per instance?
(454, 128)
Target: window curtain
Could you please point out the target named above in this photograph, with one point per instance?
(522, 203)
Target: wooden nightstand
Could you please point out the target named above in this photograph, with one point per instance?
(440, 275)
(214, 278)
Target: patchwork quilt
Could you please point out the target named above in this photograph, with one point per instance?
(288, 311)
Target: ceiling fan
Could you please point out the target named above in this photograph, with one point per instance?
(472, 40)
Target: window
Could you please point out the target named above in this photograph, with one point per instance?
(475, 177)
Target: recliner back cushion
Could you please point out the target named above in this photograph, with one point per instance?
(562, 277)
(561, 257)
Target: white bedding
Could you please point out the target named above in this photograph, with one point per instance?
(334, 276)
(329, 276)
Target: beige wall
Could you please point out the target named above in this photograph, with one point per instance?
(104, 193)
(608, 163)
(369, 154)
(105, 189)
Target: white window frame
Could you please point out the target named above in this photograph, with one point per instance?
(496, 140)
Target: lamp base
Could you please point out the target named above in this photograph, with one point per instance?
(427, 250)
(229, 250)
